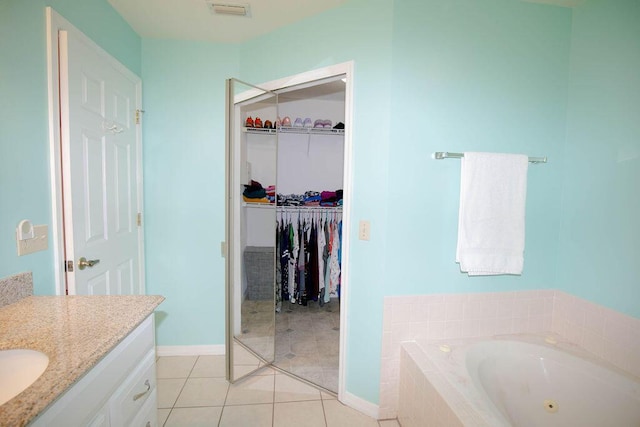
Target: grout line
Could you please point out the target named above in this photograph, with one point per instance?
(273, 403)
(324, 413)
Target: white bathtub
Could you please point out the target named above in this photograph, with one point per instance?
(518, 380)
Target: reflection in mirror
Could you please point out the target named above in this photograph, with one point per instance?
(251, 218)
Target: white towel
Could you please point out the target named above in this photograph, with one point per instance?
(493, 192)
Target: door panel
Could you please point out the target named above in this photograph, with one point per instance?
(100, 164)
(123, 204)
(251, 256)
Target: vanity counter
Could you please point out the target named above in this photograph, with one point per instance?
(75, 332)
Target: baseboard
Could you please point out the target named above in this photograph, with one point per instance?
(370, 409)
(190, 350)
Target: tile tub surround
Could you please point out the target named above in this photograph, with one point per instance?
(606, 333)
(420, 403)
(75, 332)
(14, 288)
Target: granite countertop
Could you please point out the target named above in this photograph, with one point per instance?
(75, 332)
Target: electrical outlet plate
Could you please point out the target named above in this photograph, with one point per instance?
(40, 241)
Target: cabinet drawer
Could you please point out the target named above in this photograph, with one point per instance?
(148, 415)
(134, 392)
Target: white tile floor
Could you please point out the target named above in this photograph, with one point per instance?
(192, 391)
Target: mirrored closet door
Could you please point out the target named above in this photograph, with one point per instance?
(251, 177)
(286, 173)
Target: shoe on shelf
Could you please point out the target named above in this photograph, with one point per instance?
(327, 124)
(340, 125)
(249, 122)
(286, 121)
(318, 123)
(258, 122)
(297, 123)
(307, 123)
(268, 124)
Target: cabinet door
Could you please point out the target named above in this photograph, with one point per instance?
(250, 266)
(101, 419)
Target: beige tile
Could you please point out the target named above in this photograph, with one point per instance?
(339, 415)
(175, 366)
(296, 414)
(247, 415)
(168, 391)
(265, 370)
(241, 356)
(257, 389)
(203, 392)
(163, 414)
(389, 423)
(209, 367)
(327, 396)
(240, 371)
(194, 417)
(291, 390)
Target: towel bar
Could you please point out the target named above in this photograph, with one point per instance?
(439, 155)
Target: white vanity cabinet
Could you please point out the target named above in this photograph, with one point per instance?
(118, 391)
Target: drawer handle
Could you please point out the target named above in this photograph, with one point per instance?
(139, 395)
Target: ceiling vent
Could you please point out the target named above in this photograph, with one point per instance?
(229, 9)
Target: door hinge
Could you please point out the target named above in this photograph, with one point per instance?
(68, 266)
(139, 219)
(138, 112)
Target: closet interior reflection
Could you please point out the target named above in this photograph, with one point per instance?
(286, 156)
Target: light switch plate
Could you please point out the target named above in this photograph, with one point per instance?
(364, 230)
(40, 241)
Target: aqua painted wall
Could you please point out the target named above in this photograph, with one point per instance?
(184, 145)
(458, 76)
(473, 76)
(360, 31)
(600, 233)
(24, 146)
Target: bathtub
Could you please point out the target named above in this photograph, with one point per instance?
(516, 380)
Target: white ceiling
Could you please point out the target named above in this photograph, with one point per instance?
(192, 19)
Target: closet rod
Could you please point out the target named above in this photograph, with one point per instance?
(439, 155)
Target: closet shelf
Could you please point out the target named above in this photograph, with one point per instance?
(291, 208)
(258, 205)
(303, 131)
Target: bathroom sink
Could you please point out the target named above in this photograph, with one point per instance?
(18, 370)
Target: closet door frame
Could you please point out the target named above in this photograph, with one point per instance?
(311, 78)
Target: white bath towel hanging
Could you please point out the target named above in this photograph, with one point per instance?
(491, 222)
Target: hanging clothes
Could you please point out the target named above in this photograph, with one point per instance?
(309, 248)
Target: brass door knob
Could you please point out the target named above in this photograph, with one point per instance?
(83, 262)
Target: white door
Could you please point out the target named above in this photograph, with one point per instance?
(100, 138)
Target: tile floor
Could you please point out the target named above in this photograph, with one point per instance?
(307, 338)
(192, 391)
(308, 342)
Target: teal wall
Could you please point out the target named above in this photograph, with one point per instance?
(184, 145)
(600, 233)
(361, 31)
(473, 76)
(24, 146)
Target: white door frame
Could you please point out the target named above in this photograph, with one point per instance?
(54, 23)
(307, 79)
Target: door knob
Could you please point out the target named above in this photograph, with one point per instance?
(82, 263)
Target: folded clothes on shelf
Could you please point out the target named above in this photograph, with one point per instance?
(312, 198)
(255, 193)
